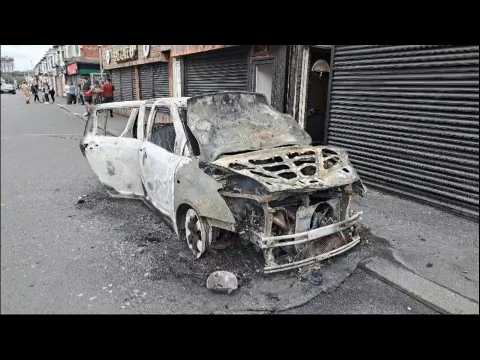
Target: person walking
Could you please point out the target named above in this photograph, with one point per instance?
(97, 93)
(80, 91)
(26, 92)
(88, 94)
(71, 95)
(107, 93)
(34, 90)
(45, 93)
(52, 94)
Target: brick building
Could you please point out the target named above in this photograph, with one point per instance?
(151, 71)
(7, 64)
(80, 60)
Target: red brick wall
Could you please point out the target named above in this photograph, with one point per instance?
(89, 51)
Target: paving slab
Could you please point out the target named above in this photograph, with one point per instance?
(436, 245)
(425, 291)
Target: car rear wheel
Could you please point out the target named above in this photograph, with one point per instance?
(197, 233)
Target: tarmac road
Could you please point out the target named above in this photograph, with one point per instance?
(114, 256)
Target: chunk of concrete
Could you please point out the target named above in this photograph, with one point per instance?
(222, 281)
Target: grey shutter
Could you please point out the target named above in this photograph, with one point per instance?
(219, 70)
(160, 80)
(117, 95)
(408, 116)
(126, 86)
(154, 80)
(146, 81)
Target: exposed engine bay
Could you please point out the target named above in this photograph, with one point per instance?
(292, 203)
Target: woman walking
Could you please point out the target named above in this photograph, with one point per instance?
(26, 92)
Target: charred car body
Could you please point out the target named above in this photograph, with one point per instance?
(230, 162)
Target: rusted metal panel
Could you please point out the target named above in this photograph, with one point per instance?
(408, 115)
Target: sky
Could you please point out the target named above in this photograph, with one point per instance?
(26, 56)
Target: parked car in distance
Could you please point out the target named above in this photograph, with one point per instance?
(8, 88)
(229, 162)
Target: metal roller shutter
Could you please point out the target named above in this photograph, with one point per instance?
(221, 70)
(115, 74)
(408, 116)
(146, 81)
(126, 84)
(154, 80)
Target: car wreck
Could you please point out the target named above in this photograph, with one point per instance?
(229, 162)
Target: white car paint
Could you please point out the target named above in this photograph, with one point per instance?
(124, 163)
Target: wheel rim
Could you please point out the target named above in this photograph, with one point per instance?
(194, 233)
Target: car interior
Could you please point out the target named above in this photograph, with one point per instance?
(163, 131)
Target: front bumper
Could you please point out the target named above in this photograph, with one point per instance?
(270, 242)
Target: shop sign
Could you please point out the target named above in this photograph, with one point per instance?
(146, 50)
(72, 69)
(125, 53)
(108, 56)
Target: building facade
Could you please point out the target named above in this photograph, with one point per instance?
(407, 114)
(80, 61)
(151, 71)
(7, 64)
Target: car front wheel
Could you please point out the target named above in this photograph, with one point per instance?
(196, 233)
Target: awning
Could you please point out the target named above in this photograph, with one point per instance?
(88, 70)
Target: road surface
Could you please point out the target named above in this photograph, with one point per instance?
(116, 256)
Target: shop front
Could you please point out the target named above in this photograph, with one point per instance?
(77, 70)
(138, 72)
(258, 68)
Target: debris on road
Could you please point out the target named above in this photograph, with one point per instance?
(222, 281)
(140, 249)
(81, 199)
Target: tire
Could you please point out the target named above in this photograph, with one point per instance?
(196, 232)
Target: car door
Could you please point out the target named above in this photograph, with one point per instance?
(111, 149)
(159, 158)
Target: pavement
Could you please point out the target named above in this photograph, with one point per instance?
(115, 256)
(434, 245)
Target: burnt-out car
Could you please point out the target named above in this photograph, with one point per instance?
(229, 162)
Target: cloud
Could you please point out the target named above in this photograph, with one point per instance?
(25, 56)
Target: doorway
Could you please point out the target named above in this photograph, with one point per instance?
(264, 78)
(316, 109)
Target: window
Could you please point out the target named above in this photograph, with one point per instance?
(116, 126)
(264, 79)
(162, 132)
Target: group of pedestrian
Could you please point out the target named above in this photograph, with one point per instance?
(89, 94)
(83, 92)
(47, 93)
